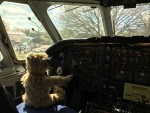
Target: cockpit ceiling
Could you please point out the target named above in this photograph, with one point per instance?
(101, 2)
(67, 1)
(126, 3)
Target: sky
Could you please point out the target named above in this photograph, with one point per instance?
(16, 15)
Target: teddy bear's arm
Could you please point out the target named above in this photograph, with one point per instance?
(57, 80)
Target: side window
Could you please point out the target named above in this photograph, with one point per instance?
(5, 62)
(25, 31)
(1, 56)
(2, 64)
(1, 59)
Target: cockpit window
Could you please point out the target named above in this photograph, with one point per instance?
(131, 22)
(74, 21)
(26, 33)
(1, 56)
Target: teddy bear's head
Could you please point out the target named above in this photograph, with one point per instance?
(37, 62)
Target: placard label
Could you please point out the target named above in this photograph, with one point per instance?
(137, 93)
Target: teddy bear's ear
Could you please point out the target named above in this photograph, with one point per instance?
(29, 56)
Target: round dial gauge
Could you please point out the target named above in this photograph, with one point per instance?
(59, 70)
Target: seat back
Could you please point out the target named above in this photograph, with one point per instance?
(6, 102)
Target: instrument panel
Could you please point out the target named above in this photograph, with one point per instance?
(115, 62)
(107, 71)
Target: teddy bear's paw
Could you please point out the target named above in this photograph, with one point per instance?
(59, 90)
(69, 78)
(23, 97)
(54, 97)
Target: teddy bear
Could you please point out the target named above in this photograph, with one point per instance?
(37, 83)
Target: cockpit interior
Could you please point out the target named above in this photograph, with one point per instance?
(104, 44)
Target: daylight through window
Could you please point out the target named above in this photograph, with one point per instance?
(26, 33)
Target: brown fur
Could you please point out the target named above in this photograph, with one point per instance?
(37, 84)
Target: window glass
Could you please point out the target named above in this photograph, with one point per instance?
(74, 21)
(4, 62)
(131, 22)
(26, 33)
(1, 56)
